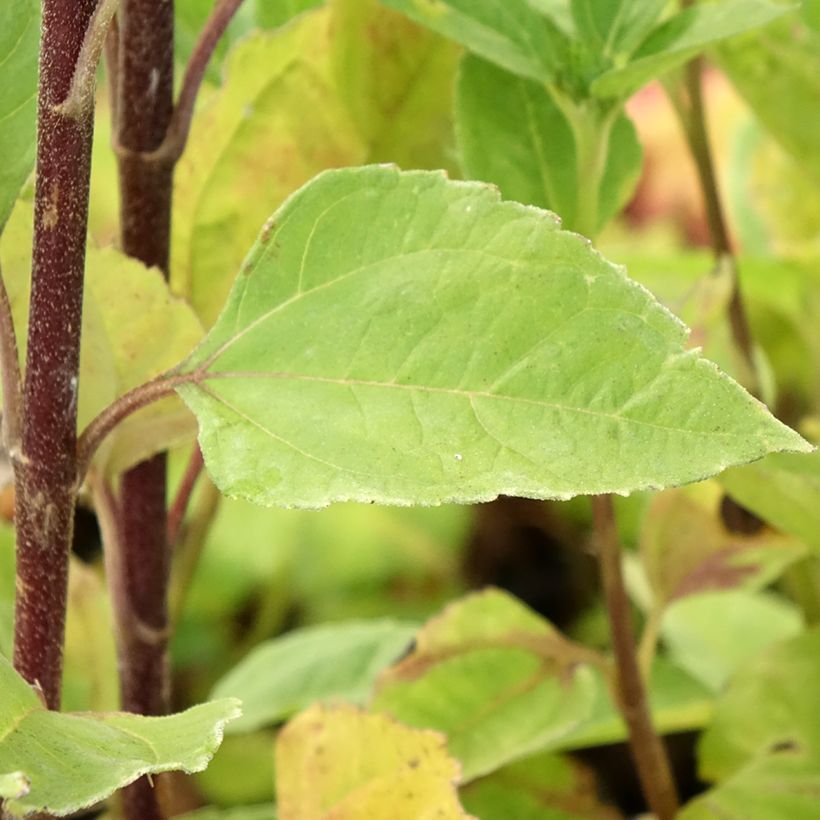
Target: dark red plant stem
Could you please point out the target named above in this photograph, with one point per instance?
(145, 77)
(648, 752)
(45, 470)
(176, 513)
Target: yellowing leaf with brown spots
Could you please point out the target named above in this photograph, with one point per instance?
(344, 764)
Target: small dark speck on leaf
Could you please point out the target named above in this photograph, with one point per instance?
(784, 746)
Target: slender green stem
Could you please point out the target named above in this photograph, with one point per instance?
(648, 752)
(591, 128)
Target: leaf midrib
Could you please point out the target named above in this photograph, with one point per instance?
(469, 395)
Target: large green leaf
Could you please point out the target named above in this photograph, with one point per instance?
(682, 36)
(92, 755)
(400, 338)
(19, 39)
(479, 673)
(337, 662)
(764, 742)
(513, 134)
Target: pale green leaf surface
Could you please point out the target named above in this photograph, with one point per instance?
(777, 71)
(93, 754)
(782, 489)
(396, 79)
(763, 745)
(512, 34)
(480, 671)
(681, 37)
(19, 42)
(339, 369)
(511, 133)
(276, 122)
(346, 764)
(331, 662)
(713, 634)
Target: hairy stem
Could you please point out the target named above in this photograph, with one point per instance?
(144, 94)
(45, 468)
(647, 748)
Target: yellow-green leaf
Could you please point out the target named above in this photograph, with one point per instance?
(345, 764)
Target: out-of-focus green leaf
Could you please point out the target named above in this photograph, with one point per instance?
(512, 133)
(241, 771)
(90, 680)
(263, 812)
(89, 664)
(7, 575)
(777, 71)
(274, 13)
(713, 634)
(344, 84)
(576, 382)
(92, 755)
(681, 37)
(332, 662)
(783, 490)
(543, 787)
(19, 41)
(679, 703)
(275, 123)
(763, 745)
(396, 79)
(513, 35)
(347, 764)
(686, 549)
(480, 671)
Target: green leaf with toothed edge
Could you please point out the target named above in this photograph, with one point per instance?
(400, 338)
(91, 755)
